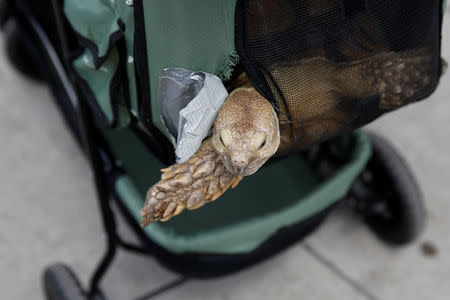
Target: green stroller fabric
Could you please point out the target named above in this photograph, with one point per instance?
(100, 26)
(281, 194)
(175, 38)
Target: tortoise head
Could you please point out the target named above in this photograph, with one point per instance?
(246, 132)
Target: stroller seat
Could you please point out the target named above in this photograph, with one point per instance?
(281, 194)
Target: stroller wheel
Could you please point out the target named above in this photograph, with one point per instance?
(60, 283)
(21, 49)
(388, 196)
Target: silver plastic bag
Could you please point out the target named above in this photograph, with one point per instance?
(188, 103)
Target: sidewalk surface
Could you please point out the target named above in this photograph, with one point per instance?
(48, 213)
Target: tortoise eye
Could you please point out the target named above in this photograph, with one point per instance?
(225, 137)
(262, 144)
(259, 140)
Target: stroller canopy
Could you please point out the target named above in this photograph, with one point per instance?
(325, 65)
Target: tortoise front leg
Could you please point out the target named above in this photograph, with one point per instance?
(201, 179)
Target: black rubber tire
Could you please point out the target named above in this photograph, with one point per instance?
(60, 283)
(396, 211)
(21, 49)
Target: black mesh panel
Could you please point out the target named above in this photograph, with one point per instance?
(332, 65)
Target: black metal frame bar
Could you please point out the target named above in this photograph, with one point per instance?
(92, 150)
(100, 161)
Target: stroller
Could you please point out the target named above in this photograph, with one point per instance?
(102, 60)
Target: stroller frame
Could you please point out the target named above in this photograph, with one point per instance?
(99, 158)
(77, 113)
(105, 171)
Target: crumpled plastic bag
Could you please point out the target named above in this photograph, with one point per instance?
(189, 102)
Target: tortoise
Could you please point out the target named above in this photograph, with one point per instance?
(248, 130)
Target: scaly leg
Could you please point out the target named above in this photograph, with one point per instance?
(201, 179)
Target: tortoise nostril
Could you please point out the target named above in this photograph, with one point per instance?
(240, 163)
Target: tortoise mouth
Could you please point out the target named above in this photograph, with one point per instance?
(247, 170)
